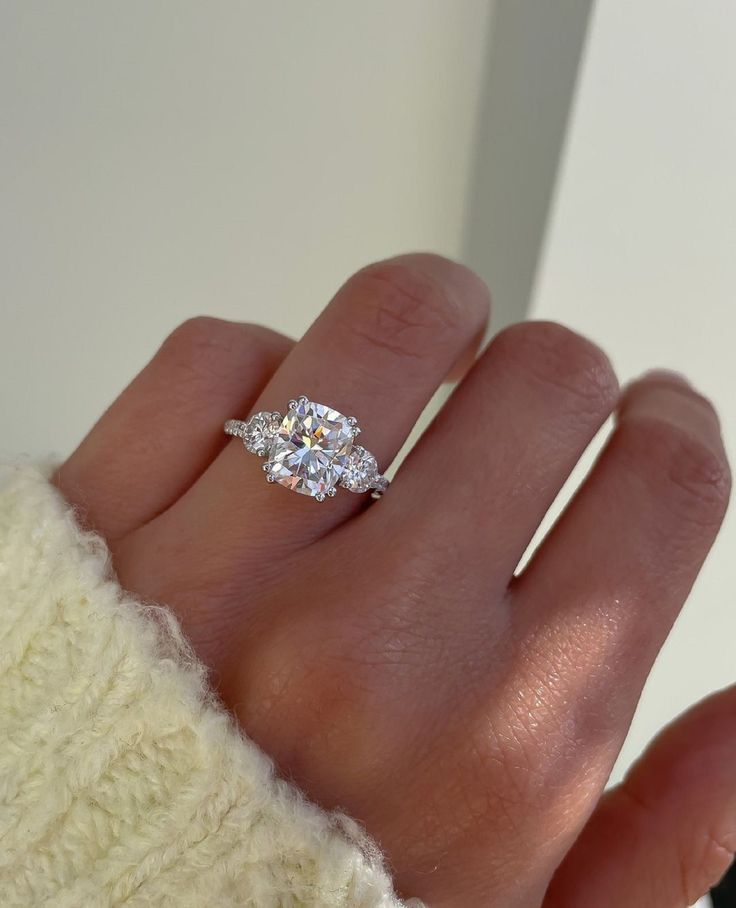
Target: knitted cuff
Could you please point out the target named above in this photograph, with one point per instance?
(121, 780)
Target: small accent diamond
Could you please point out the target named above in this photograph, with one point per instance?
(361, 470)
(260, 431)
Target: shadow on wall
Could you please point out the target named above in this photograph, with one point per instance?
(533, 60)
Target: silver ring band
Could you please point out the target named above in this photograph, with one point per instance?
(311, 450)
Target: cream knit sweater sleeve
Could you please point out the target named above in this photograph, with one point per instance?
(121, 780)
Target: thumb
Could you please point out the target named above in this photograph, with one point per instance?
(667, 834)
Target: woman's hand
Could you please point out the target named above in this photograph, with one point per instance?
(386, 656)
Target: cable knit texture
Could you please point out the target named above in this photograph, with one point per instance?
(121, 780)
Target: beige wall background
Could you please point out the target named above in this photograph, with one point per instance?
(167, 159)
(640, 255)
(160, 160)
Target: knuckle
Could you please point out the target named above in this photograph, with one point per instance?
(197, 334)
(403, 310)
(283, 672)
(537, 749)
(691, 477)
(291, 693)
(562, 360)
(510, 781)
(205, 346)
(534, 739)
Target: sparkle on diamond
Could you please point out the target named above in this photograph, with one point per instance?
(360, 471)
(311, 448)
(259, 432)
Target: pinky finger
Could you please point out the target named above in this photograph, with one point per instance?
(667, 834)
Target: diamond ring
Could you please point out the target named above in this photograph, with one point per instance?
(311, 450)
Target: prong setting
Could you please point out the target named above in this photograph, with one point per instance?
(312, 450)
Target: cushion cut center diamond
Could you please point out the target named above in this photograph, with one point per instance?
(310, 451)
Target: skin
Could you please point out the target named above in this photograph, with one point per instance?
(386, 655)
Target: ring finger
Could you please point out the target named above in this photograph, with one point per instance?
(379, 351)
